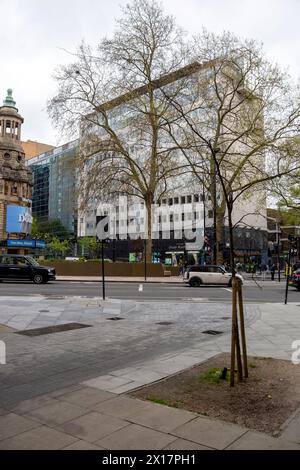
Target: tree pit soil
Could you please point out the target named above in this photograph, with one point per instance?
(263, 402)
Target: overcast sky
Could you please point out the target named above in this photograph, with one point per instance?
(34, 34)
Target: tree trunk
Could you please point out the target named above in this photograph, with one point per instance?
(148, 234)
(235, 340)
(219, 232)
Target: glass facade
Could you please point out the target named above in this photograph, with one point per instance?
(54, 187)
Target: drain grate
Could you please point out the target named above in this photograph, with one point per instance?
(115, 318)
(164, 323)
(47, 330)
(44, 311)
(212, 332)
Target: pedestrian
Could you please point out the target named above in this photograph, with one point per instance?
(264, 271)
(272, 270)
(181, 267)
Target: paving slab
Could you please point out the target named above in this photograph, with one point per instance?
(56, 413)
(292, 431)
(107, 382)
(12, 424)
(65, 390)
(258, 441)
(83, 445)
(210, 433)
(162, 418)
(122, 407)
(93, 426)
(86, 396)
(29, 405)
(40, 438)
(136, 437)
(183, 444)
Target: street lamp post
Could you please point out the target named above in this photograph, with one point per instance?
(214, 152)
(145, 258)
(214, 199)
(278, 250)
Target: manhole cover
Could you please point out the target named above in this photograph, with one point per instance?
(47, 330)
(43, 311)
(164, 323)
(212, 332)
(115, 318)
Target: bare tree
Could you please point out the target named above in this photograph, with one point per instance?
(236, 134)
(115, 93)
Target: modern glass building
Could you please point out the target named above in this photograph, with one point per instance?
(54, 189)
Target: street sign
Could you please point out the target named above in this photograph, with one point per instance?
(102, 228)
(102, 234)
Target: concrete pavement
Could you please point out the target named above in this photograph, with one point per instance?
(70, 405)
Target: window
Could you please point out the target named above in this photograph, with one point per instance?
(196, 197)
(20, 261)
(164, 202)
(170, 202)
(214, 269)
(189, 199)
(210, 214)
(176, 200)
(182, 199)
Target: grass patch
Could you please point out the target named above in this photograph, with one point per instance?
(213, 376)
(160, 401)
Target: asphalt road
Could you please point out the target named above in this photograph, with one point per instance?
(151, 291)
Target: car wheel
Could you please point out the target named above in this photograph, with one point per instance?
(38, 279)
(195, 282)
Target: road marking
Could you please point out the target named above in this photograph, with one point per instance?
(228, 290)
(141, 288)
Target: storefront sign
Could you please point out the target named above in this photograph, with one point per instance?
(18, 219)
(26, 243)
(21, 243)
(39, 244)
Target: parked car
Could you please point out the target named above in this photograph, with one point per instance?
(295, 279)
(197, 275)
(21, 267)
